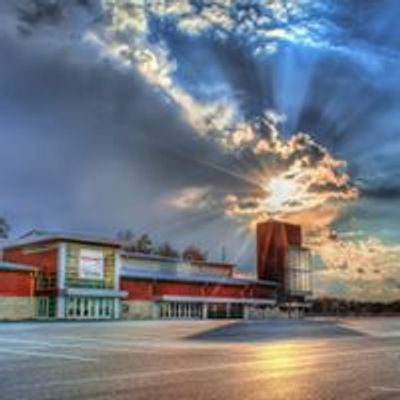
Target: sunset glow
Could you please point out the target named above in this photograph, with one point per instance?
(281, 192)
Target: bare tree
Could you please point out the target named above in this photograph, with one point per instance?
(144, 244)
(125, 235)
(193, 253)
(166, 250)
(127, 239)
(4, 228)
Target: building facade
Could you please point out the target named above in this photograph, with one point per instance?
(165, 288)
(78, 277)
(282, 258)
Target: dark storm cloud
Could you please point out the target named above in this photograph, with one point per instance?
(340, 101)
(40, 11)
(89, 145)
(84, 146)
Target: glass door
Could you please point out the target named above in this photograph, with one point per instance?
(42, 307)
(70, 307)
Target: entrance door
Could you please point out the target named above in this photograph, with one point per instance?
(70, 307)
(217, 311)
(92, 308)
(236, 311)
(42, 307)
(108, 310)
(105, 308)
(89, 308)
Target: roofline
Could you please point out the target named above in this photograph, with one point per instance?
(59, 238)
(11, 266)
(156, 257)
(44, 238)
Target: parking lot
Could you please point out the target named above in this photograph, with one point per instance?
(316, 359)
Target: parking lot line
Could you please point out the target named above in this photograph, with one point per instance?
(308, 364)
(101, 345)
(386, 389)
(47, 355)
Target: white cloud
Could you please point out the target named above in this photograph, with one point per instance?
(367, 269)
(191, 198)
(296, 175)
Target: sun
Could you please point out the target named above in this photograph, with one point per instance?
(280, 192)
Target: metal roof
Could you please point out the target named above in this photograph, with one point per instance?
(10, 266)
(44, 236)
(129, 272)
(172, 260)
(153, 257)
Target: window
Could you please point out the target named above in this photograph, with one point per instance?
(298, 277)
(86, 307)
(89, 307)
(78, 307)
(42, 307)
(92, 307)
(70, 307)
(181, 310)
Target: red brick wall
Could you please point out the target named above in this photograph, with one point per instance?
(45, 260)
(16, 283)
(225, 291)
(147, 290)
(137, 290)
(179, 289)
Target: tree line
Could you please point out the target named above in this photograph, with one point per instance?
(330, 306)
(144, 244)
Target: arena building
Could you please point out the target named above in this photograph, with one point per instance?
(44, 275)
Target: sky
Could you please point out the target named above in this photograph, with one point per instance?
(194, 120)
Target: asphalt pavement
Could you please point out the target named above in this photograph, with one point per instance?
(185, 360)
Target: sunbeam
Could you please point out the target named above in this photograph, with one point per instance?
(185, 116)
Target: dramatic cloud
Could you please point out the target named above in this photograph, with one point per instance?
(297, 175)
(196, 119)
(368, 269)
(267, 25)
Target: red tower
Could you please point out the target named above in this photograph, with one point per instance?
(273, 242)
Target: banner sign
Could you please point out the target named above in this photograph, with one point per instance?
(91, 264)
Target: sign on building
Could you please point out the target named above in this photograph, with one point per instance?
(91, 264)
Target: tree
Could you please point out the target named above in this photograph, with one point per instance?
(4, 228)
(166, 250)
(127, 239)
(144, 244)
(125, 235)
(193, 253)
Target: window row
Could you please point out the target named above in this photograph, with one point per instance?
(89, 307)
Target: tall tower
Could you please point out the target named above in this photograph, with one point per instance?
(282, 258)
